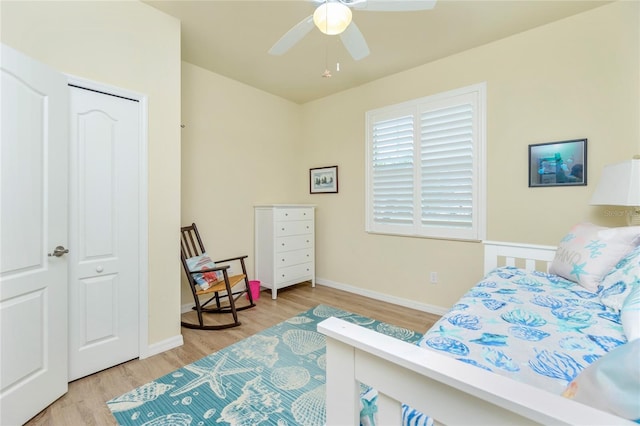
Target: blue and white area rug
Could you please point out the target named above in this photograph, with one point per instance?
(275, 377)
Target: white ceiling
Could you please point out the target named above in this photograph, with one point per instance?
(232, 37)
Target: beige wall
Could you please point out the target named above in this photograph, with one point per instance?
(239, 148)
(576, 78)
(133, 46)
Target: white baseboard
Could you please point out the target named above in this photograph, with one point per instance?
(162, 346)
(424, 307)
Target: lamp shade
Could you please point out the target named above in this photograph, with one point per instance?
(332, 17)
(619, 185)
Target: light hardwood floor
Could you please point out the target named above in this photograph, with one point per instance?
(85, 403)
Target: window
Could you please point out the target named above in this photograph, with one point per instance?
(426, 166)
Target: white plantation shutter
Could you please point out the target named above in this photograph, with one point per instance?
(392, 162)
(446, 164)
(425, 173)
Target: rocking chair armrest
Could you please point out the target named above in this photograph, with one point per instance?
(217, 268)
(232, 258)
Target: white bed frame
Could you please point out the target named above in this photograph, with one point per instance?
(452, 392)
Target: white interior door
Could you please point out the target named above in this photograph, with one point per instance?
(33, 220)
(104, 221)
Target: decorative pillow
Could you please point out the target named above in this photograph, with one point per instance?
(630, 314)
(618, 283)
(203, 262)
(612, 383)
(588, 252)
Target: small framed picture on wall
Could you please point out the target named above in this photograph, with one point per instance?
(323, 180)
(562, 163)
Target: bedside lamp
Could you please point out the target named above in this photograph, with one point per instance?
(619, 185)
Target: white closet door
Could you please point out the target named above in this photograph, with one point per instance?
(33, 220)
(104, 217)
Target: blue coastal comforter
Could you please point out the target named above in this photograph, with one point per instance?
(534, 327)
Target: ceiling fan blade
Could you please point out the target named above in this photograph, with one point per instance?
(393, 5)
(292, 36)
(354, 42)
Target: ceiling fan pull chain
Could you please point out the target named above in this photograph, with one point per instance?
(326, 73)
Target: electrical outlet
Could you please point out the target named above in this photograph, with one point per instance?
(434, 278)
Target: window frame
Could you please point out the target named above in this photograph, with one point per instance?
(476, 96)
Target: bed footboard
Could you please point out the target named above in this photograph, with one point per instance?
(448, 390)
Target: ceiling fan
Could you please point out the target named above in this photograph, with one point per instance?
(333, 17)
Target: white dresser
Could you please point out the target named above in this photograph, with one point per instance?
(284, 245)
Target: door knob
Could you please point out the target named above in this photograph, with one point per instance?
(59, 251)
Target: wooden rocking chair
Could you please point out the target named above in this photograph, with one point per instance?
(201, 272)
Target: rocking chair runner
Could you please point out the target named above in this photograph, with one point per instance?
(191, 247)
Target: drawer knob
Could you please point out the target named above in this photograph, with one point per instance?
(283, 260)
(282, 244)
(282, 275)
(283, 229)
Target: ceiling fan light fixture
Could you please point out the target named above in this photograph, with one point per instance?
(332, 17)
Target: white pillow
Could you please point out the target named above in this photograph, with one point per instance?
(588, 252)
(612, 383)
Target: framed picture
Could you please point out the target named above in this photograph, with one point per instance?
(323, 180)
(561, 163)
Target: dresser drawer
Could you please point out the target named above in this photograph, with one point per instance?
(297, 227)
(302, 272)
(293, 243)
(293, 214)
(289, 258)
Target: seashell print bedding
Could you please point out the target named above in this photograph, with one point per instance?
(534, 327)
